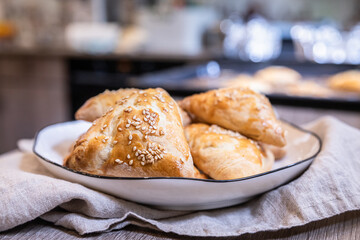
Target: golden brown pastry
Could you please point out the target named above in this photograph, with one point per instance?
(346, 81)
(278, 75)
(185, 118)
(308, 88)
(223, 154)
(247, 81)
(96, 106)
(238, 109)
(140, 136)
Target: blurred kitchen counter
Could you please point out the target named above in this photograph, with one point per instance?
(38, 87)
(138, 55)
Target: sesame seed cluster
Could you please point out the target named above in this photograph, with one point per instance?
(139, 122)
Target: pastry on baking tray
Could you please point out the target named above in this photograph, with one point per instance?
(247, 81)
(96, 106)
(238, 109)
(308, 88)
(223, 154)
(346, 81)
(278, 75)
(140, 136)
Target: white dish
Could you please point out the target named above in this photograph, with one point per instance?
(52, 144)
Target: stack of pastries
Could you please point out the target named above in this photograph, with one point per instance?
(220, 134)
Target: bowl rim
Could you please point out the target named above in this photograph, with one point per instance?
(177, 178)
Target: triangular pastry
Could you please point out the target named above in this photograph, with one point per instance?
(140, 136)
(223, 154)
(346, 81)
(96, 106)
(238, 109)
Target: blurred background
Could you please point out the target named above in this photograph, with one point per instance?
(55, 54)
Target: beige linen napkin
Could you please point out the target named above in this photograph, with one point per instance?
(329, 187)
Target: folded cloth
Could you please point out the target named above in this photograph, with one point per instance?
(329, 187)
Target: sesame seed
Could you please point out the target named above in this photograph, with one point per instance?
(104, 141)
(155, 127)
(128, 110)
(134, 148)
(127, 125)
(106, 138)
(153, 131)
(118, 161)
(119, 129)
(130, 137)
(143, 128)
(137, 127)
(128, 156)
(136, 154)
(146, 137)
(115, 142)
(96, 137)
(134, 117)
(131, 162)
(129, 143)
(143, 163)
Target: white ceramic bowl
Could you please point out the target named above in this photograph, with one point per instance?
(52, 144)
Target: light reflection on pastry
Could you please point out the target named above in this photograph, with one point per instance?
(223, 154)
(278, 75)
(238, 109)
(140, 136)
(346, 81)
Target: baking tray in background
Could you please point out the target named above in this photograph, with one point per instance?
(187, 80)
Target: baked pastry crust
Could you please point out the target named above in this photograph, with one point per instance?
(278, 75)
(247, 81)
(224, 154)
(238, 109)
(346, 81)
(140, 136)
(308, 88)
(96, 106)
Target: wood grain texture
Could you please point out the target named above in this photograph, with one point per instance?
(343, 226)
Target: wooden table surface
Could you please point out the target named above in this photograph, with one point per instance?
(343, 226)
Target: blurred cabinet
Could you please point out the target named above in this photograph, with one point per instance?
(33, 94)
